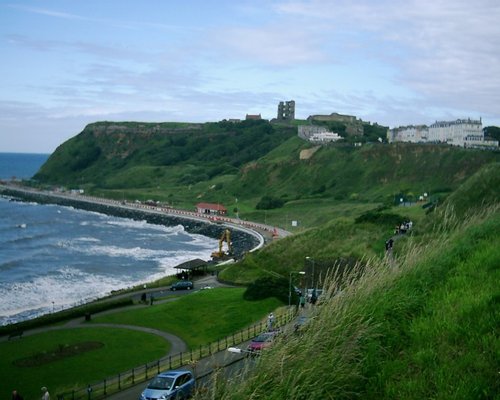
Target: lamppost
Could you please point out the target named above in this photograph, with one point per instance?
(312, 275)
(290, 287)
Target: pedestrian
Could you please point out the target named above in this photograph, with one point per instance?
(314, 297)
(16, 395)
(302, 301)
(388, 244)
(270, 322)
(45, 393)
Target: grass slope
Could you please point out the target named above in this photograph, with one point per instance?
(425, 329)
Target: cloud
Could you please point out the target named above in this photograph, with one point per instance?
(272, 45)
(444, 50)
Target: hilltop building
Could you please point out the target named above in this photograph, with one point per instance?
(353, 125)
(253, 116)
(317, 134)
(286, 110)
(461, 132)
(410, 133)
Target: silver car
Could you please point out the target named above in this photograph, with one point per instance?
(170, 385)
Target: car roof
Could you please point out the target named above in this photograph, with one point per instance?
(174, 373)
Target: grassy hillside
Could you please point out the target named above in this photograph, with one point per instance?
(139, 155)
(423, 324)
(238, 164)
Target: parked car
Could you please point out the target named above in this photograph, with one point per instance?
(262, 341)
(182, 285)
(170, 385)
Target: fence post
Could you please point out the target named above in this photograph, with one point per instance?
(133, 375)
(169, 362)
(104, 387)
(119, 382)
(73, 394)
(180, 358)
(201, 351)
(158, 365)
(146, 368)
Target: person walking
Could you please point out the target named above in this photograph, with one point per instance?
(45, 393)
(16, 395)
(270, 322)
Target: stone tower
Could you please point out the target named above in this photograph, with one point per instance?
(286, 110)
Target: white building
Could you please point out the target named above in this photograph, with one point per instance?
(461, 132)
(411, 133)
(317, 134)
(456, 132)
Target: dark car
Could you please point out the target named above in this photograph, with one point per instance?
(182, 285)
(169, 385)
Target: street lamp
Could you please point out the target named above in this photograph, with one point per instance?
(290, 287)
(312, 275)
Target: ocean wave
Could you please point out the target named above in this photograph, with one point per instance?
(65, 288)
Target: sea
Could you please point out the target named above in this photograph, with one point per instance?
(55, 257)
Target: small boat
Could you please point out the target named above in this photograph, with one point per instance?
(22, 226)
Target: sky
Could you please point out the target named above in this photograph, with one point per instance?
(67, 63)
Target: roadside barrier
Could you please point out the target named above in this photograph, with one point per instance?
(124, 380)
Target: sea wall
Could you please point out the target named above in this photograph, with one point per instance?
(243, 239)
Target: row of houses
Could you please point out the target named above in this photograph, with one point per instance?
(466, 133)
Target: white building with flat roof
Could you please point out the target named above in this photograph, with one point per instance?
(317, 134)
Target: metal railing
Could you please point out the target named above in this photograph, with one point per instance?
(124, 380)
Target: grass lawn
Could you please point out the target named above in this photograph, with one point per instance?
(59, 371)
(201, 317)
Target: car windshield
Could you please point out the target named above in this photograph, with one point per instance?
(161, 383)
(262, 338)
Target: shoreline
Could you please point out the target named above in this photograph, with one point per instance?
(245, 239)
(247, 236)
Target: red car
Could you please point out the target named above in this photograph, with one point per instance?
(261, 342)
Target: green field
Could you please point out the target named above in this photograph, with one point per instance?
(201, 317)
(198, 318)
(61, 372)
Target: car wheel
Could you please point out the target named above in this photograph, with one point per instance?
(189, 288)
(180, 396)
(173, 288)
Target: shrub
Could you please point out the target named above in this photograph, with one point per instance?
(269, 202)
(266, 287)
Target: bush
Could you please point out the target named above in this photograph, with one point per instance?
(380, 218)
(269, 202)
(263, 288)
